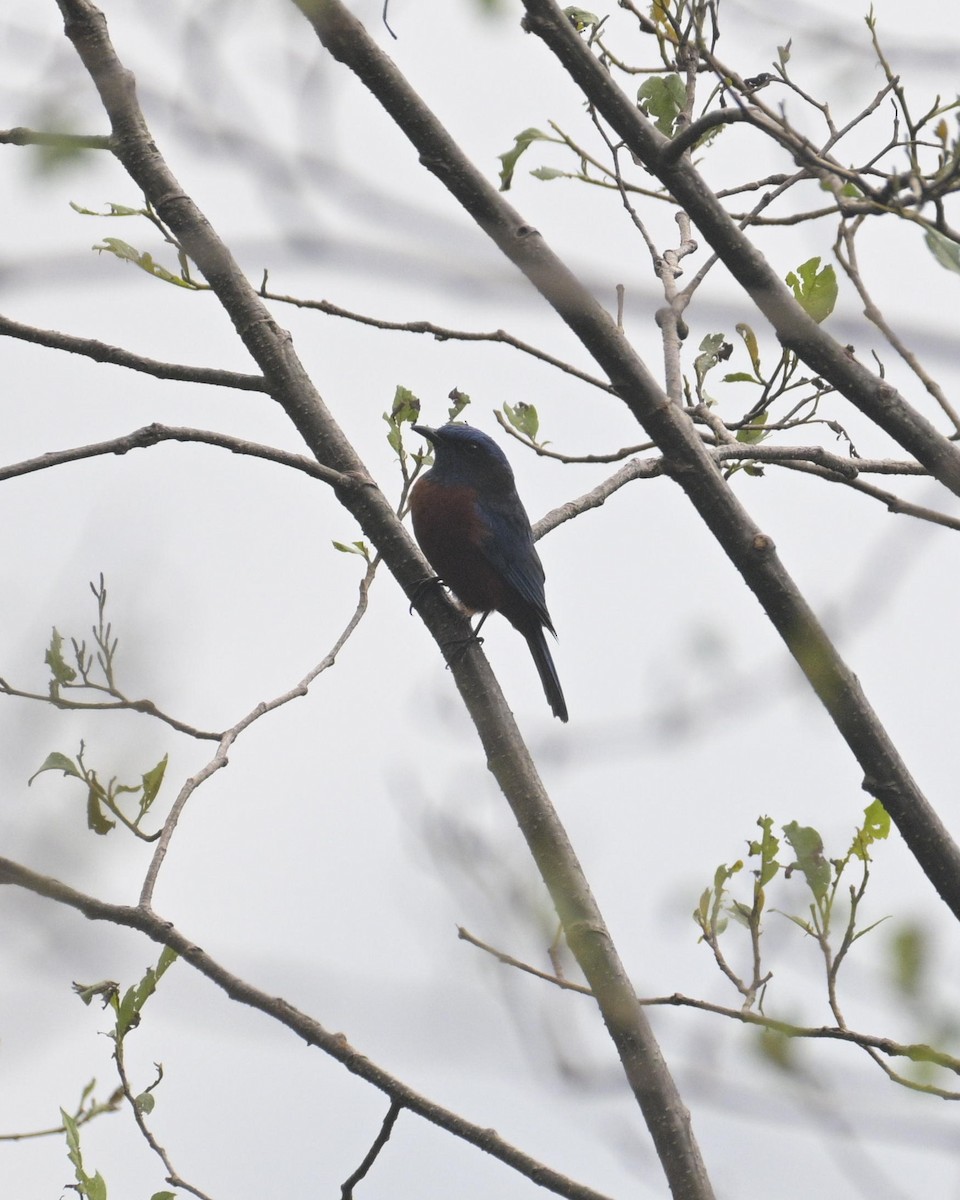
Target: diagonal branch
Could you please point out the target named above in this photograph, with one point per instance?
(876, 398)
(221, 757)
(752, 551)
(102, 352)
(506, 753)
(164, 933)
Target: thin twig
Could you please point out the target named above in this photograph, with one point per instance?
(147, 707)
(221, 757)
(441, 332)
(21, 136)
(346, 1188)
(102, 352)
(838, 1033)
(152, 435)
(173, 1178)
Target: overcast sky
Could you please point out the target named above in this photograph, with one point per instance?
(356, 829)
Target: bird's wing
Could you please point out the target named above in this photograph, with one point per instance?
(510, 549)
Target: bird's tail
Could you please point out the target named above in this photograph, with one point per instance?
(537, 642)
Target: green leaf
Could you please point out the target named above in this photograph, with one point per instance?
(164, 1196)
(360, 548)
(97, 1188)
(807, 845)
(713, 349)
(740, 377)
(702, 911)
(151, 784)
(801, 924)
(663, 98)
(849, 189)
(145, 1102)
(580, 19)
(777, 1048)
(127, 253)
(910, 960)
(166, 960)
(751, 434)
(875, 828)
(113, 210)
(945, 250)
(128, 1015)
(57, 762)
(96, 818)
(73, 1137)
(767, 848)
(750, 341)
(523, 417)
(741, 913)
(406, 406)
(121, 249)
(61, 671)
(814, 290)
(106, 990)
(458, 402)
(405, 409)
(521, 143)
(91, 1187)
(723, 873)
(659, 11)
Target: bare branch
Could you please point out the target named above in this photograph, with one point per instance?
(101, 352)
(173, 1178)
(221, 757)
(153, 435)
(346, 1189)
(20, 136)
(164, 933)
(440, 332)
(915, 1051)
(147, 707)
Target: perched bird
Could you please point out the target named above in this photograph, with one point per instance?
(475, 533)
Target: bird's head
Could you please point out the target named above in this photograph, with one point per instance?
(464, 455)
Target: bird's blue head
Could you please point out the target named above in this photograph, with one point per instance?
(464, 455)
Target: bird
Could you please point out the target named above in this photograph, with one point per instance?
(475, 533)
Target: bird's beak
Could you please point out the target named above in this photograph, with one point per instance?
(426, 431)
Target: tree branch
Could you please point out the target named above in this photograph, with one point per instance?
(311, 1031)
(876, 398)
(221, 758)
(101, 352)
(441, 332)
(685, 457)
(505, 751)
(153, 435)
(915, 1051)
(21, 136)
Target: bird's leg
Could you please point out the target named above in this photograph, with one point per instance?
(463, 643)
(422, 587)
